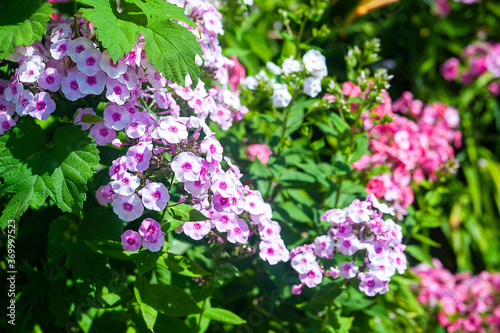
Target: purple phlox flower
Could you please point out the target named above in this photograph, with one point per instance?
(382, 267)
(126, 185)
(212, 148)
(50, 79)
(223, 220)
(223, 184)
(88, 61)
(139, 124)
(60, 48)
(254, 204)
(116, 91)
(70, 87)
(186, 167)
(370, 284)
(105, 195)
(102, 134)
(79, 45)
(154, 245)
(6, 122)
(131, 240)
(335, 216)
(399, 260)
(197, 188)
(304, 262)
(128, 208)
(155, 78)
(91, 84)
(270, 231)
(78, 117)
(111, 68)
(150, 230)
(7, 107)
(118, 168)
(41, 106)
(129, 78)
(23, 103)
(272, 252)
(155, 196)
(116, 116)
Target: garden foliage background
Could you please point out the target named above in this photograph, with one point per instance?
(74, 274)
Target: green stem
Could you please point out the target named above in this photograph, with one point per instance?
(77, 33)
(325, 319)
(299, 35)
(217, 261)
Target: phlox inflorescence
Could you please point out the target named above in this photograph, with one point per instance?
(358, 231)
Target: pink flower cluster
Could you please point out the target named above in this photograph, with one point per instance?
(222, 104)
(413, 149)
(466, 303)
(169, 149)
(149, 236)
(357, 230)
(476, 59)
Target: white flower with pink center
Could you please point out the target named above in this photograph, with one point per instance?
(50, 79)
(304, 262)
(212, 148)
(129, 78)
(170, 130)
(138, 125)
(70, 87)
(156, 79)
(102, 135)
(60, 48)
(348, 270)
(224, 184)
(223, 220)
(116, 116)
(213, 22)
(270, 251)
(349, 245)
(126, 185)
(30, 70)
(324, 246)
(7, 107)
(370, 284)
(79, 115)
(197, 188)
(382, 267)
(23, 103)
(41, 106)
(399, 260)
(238, 232)
(270, 231)
(111, 68)
(78, 46)
(6, 122)
(88, 61)
(196, 230)
(128, 208)
(186, 167)
(155, 196)
(131, 240)
(313, 277)
(116, 91)
(359, 214)
(91, 84)
(254, 204)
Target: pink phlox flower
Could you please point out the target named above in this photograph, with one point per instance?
(131, 240)
(116, 116)
(382, 267)
(70, 87)
(91, 84)
(212, 148)
(324, 246)
(6, 123)
(88, 62)
(170, 130)
(50, 79)
(105, 195)
(116, 91)
(223, 220)
(118, 168)
(155, 196)
(79, 45)
(304, 262)
(254, 204)
(261, 151)
(196, 230)
(348, 270)
(111, 68)
(223, 184)
(41, 106)
(139, 125)
(186, 167)
(313, 277)
(138, 157)
(156, 79)
(238, 232)
(102, 134)
(197, 188)
(270, 231)
(333, 272)
(370, 284)
(349, 245)
(126, 185)
(150, 230)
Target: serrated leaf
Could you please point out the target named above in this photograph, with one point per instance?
(22, 23)
(181, 265)
(224, 316)
(170, 47)
(33, 169)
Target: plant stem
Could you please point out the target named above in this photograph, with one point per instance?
(325, 319)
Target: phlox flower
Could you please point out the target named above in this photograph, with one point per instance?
(196, 230)
(223, 184)
(154, 245)
(212, 148)
(105, 195)
(304, 262)
(313, 277)
(23, 104)
(60, 48)
(270, 231)
(139, 124)
(79, 45)
(150, 230)
(291, 66)
(88, 62)
(101, 134)
(30, 70)
(170, 130)
(116, 91)
(6, 122)
(223, 220)
(128, 208)
(50, 79)
(370, 284)
(155, 196)
(382, 267)
(118, 168)
(312, 86)
(111, 68)
(116, 116)
(348, 245)
(324, 246)
(270, 251)
(129, 78)
(315, 63)
(197, 188)
(41, 106)
(186, 167)
(78, 117)
(91, 84)
(281, 96)
(131, 240)
(238, 232)
(261, 151)
(126, 185)
(348, 270)
(70, 87)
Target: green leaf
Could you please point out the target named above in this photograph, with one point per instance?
(146, 260)
(338, 122)
(33, 168)
(22, 23)
(224, 316)
(340, 169)
(419, 254)
(143, 297)
(170, 47)
(296, 177)
(181, 265)
(185, 213)
(111, 249)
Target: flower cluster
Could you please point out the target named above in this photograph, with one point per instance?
(412, 149)
(169, 149)
(222, 103)
(465, 303)
(476, 59)
(302, 77)
(358, 231)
